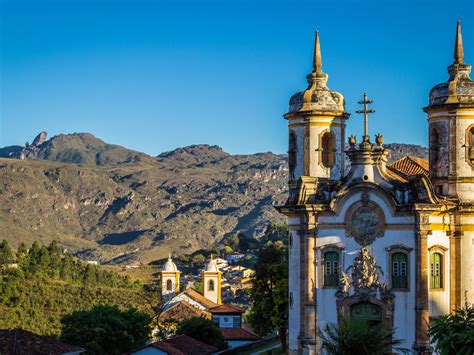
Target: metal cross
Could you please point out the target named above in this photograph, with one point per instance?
(366, 112)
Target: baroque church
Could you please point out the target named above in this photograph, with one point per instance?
(386, 244)
(207, 303)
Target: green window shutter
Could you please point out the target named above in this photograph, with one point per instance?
(436, 270)
(399, 270)
(331, 268)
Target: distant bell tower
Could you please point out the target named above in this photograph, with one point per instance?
(211, 282)
(451, 130)
(169, 279)
(316, 122)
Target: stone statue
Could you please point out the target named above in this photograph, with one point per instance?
(345, 283)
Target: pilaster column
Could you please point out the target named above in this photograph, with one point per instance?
(308, 327)
(422, 342)
(455, 269)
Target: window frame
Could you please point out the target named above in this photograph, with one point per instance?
(322, 151)
(292, 154)
(209, 283)
(437, 249)
(338, 251)
(468, 144)
(399, 249)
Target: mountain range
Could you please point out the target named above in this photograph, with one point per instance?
(112, 204)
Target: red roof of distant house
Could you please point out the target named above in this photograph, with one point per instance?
(183, 310)
(184, 345)
(19, 342)
(226, 308)
(409, 166)
(239, 334)
(200, 298)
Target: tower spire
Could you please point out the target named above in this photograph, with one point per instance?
(317, 60)
(458, 49)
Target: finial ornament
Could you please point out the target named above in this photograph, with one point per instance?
(366, 112)
(317, 59)
(169, 255)
(458, 48)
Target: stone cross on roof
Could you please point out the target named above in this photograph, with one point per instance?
(366, 112)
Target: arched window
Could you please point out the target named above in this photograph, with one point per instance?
(399, 271)
(210, 285)
(331, 269)
(437, 272)
(169, 285)
(328, 150)
(434, 147)
(292, 149)
(470, 144)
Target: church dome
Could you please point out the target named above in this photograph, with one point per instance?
(459, 88)
(212, 266)
(317, 98)
(170, 266)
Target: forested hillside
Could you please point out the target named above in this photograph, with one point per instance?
(40, 285)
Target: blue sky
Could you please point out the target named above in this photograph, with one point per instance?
(156, 75)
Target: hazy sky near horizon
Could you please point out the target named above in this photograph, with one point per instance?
(156, 75)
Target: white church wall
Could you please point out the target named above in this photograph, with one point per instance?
(439, 300)
(400, 232)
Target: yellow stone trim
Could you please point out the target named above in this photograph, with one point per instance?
(438, 227)
(317, 124)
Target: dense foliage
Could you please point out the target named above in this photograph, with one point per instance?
(454, 333)
(106, 330)
(44, 285)
(269, 293)
(204, 330)
(359, 338)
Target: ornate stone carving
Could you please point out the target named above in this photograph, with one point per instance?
(366, 287)
(364, 273)
(365, 221)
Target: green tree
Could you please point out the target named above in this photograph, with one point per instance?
(269, 293)
(204, 330)
(232, 241)
(106, 330)
(6, 254)
(21, 254)
(33, 258)
(199, 259)
(359, 338)
(454, 333)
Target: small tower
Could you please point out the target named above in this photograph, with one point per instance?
(211, 282)
(316, 123)
(451, 130)
(169, 279)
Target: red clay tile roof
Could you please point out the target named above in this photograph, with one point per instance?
(168, 348)
(183, 310)
(409, 166)
(226, 308)
(239, 334)
(200, 298)
(19, 342)
(184, 345)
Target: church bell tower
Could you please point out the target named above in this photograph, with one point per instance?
(169, 279)
(451, 130)
(316, 123)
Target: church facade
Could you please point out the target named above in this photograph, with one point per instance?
(387, 244)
